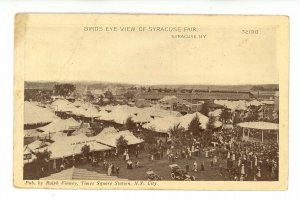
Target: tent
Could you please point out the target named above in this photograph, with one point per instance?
(262, 126)
(167, 98)
(34, 114)
(164, 124)
(80, 174)
(71, 145)
(64, 146)
(109, 136)
(259, 125)
(60, 125)
(62, 105)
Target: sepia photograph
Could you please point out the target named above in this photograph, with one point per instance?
(120, 101)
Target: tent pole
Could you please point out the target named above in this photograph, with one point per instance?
(277, 137)
(262, 136)
(248, 133)
(243, 133)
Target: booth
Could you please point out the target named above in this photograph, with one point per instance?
(261, 127)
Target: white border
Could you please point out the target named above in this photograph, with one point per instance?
(265, 7)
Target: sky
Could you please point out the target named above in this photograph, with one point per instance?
(224, 57)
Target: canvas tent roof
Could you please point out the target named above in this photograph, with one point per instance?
(120, 113)
(33, 133)
(259, 125)
(60, 125)
(80, 174)
(34, 114)
(164, 124)
(109, 137)
(167, 98)
(38, 144)
(62, 105)
(64, 146)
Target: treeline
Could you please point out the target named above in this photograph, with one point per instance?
(37, 95)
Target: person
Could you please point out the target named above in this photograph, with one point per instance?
(195, 166)
(243, 170)
(211, 163)
(109, 170)
(190, 154)
(94, 163)
(202, 166)
(129, 164)
(228, 155)
(193, 149)
(215, 159)
(239, 162)
(258, 174)
(187, 167)
(127, 156)
(137, 164)
(233, 156)
(105, 164)
(62, 166)
(112, 168)
(117, 171)
(124, 155)
(43, 171)
(206, 153)
(221, 168)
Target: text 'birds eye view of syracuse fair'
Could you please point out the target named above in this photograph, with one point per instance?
(113, 131)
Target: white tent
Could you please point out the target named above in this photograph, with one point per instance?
(34, 114)
(262, 126)
(62, 105)
(120, 113)
(69, 145)
(164, 124)
(60, 125)
(259, 125)
(109, 136)
(167, 98)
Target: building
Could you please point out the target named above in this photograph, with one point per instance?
(194, 97)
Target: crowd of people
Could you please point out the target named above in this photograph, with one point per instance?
(235, 159)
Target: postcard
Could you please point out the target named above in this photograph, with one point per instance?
(148, 101)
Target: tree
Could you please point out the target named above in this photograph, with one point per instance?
(225, 115)
(176, 130)
(122, 144)
(85, 150)
(129, 95)
(253, 114)
(129, 124)
(211, 123)
(195, 126)
(109, 95)
(204, 110)
(42, 159)
(178, 136)
(64, 89)
(236, 119)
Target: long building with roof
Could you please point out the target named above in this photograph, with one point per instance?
(198, 96)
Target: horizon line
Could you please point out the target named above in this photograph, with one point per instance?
(112, 82)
